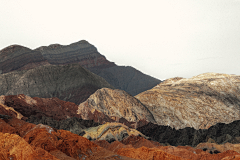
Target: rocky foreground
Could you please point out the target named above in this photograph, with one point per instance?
(22, 141)
(198, 102)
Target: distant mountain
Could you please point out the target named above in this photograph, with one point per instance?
(198, 102)
(67, 82)
(17, 57)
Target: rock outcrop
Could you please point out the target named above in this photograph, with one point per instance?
(117, 103)
(69, 82)
(17, 57)
(198, 102)
(220, 133)
(110, 132)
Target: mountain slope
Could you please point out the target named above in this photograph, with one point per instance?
(197, 102)
(69, 82)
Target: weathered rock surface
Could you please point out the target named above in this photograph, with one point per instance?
(110, 132)
(70, 82)
(14, 147)
(145, 153)
(220, 133)
(126, 78)
(117, 103)
(199, 102)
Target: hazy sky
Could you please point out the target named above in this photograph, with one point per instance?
(162, 38)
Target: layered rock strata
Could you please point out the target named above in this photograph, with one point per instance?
(70, 82)
(117, 103)
(80, 52)
(198, 102)
(17, 57)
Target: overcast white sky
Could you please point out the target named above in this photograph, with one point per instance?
(162, 38)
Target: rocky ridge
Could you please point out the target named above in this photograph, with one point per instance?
(117, 103)
(69, 82)
(220, 133)
(198, 102)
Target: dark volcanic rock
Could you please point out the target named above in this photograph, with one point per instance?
(219, 133)
(69, 82)
(17, 57)
(74, 125)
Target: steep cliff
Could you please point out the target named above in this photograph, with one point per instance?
(117, 103)
(197, 102)
(69, 82)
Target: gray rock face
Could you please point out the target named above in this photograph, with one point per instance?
(126, 78)
(69, 82)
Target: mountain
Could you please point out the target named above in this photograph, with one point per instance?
(118, 103)
(17, 57)
(198, 102)
(67, 82)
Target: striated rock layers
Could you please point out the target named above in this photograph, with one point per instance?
(69, 82)
(126, 78)
(80, 52)
(110, 132)
(17, 57)
(197, 102)
(117, 103)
